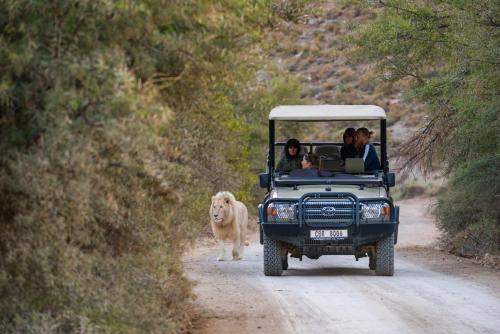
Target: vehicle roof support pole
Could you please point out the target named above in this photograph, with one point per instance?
(271, 146)
(383, 144)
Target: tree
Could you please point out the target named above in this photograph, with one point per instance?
(118, 120)
(449, 50)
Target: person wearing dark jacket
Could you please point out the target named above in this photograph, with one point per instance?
(348, 150)
(367, 150)
(291, 159)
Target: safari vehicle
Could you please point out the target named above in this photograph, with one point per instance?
(347, 213)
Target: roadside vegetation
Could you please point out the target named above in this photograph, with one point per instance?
(447, 53)
(118, 121)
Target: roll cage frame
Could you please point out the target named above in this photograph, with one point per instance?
(273, 143)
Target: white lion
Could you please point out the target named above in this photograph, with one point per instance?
(229, 220)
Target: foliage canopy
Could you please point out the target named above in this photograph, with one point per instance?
(118, 120)
(450, 51)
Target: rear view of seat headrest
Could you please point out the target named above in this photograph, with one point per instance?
(329, 158)
(327, 151)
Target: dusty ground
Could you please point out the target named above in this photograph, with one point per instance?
(431, 291)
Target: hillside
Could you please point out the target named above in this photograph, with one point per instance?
(315, 49)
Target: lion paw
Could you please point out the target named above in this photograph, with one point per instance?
(220, 258)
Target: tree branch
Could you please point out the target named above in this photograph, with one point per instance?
(420, 149)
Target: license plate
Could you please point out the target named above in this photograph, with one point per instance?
(328, 234)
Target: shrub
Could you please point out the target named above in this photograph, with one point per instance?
(118, 120)
(444, 54)
(469, 209)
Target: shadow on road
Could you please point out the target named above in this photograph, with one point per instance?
(328, 272)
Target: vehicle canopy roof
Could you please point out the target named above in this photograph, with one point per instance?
(327, 112)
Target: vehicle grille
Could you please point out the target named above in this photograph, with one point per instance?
(321, 212)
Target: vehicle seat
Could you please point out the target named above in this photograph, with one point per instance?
(329, 158)
(328, 151)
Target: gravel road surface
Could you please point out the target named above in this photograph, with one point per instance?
(431, 291)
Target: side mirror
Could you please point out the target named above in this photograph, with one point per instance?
(390, 179)
(264, 180)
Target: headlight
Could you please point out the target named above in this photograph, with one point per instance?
(281, 211)
(375, 210)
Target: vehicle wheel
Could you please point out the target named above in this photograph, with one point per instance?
(273, 265)
(371, 262)
(384, 261)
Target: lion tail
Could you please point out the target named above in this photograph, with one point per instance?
(247, 243)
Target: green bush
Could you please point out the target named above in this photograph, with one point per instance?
(446, 52)
(469, 209)
(86, 232)
(118, 121)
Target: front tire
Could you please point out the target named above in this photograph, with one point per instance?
(384, 261)
(272, 257)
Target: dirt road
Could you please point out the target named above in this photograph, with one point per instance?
(431, 291)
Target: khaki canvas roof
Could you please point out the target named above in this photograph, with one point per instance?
(327, 113)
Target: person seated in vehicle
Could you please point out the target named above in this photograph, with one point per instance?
(366, 150)
(348, 150)
(310, 163)
(292, 158)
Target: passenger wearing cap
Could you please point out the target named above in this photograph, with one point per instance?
(348, 150)
(291, 159)
(366, 150)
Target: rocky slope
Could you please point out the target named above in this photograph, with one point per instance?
(315, 49)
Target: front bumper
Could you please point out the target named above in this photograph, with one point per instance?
(300, 236)
(360, 232)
